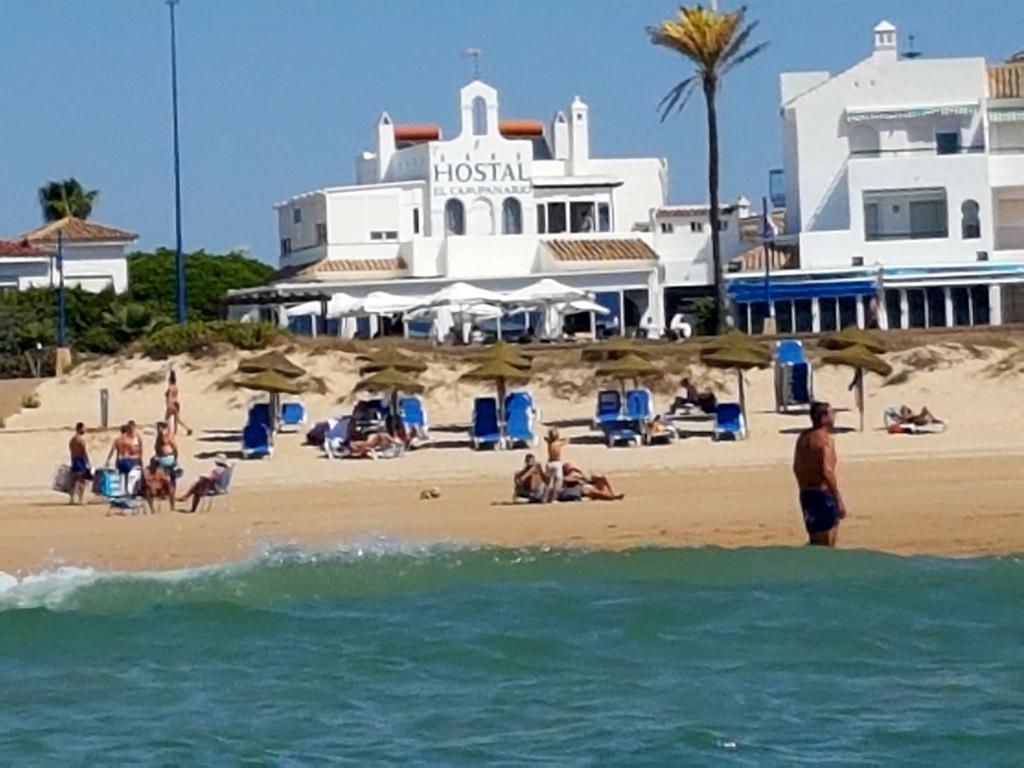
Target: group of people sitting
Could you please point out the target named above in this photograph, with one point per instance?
(558, 480)
(152, 481)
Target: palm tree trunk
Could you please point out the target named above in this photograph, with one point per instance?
(721, 296)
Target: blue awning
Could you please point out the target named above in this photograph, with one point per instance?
(752, 290)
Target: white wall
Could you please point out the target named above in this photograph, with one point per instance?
(643, 188)
(469, 257)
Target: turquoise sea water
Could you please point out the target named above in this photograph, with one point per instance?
(498, 657)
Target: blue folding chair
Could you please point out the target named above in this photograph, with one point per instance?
(293, 413)
(794, 382)
(259, 414)
(519, 419)
(729, 422)
(414, 415)
(485, 429)
(621, 432)
(609, 407)
(640, 405)
(789, 352)
(256, 442)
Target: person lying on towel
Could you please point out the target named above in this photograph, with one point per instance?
(922, 419)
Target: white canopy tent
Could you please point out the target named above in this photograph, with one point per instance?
(547, 296)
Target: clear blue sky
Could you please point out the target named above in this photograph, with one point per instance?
(277, 96)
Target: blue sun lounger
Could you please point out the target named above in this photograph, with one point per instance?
(293, 413)
(519, 419)
(729, 423)
(793, 376)
(485, 429)
(414, 415)
(621, 432)
(256, 441)
(609, 408)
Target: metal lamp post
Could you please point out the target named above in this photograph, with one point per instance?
(179, 260)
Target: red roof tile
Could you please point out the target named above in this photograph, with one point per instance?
(331, 266)
(600, 250)
(77, 230)
(20, 249)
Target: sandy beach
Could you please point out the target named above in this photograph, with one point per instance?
(953, 494)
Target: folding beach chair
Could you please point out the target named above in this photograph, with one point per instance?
(256, 442)
(259, 414)
(293, 414)
(485, 429)
(729, 423)
(336, 439)
(519, 419)
(220, 489)
(122, 498)
(372, 415)
(609, 407)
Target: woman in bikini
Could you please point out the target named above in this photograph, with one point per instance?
(173, 404)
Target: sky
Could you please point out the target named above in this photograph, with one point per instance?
(277, 97)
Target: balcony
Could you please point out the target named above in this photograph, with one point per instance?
(1006, 81)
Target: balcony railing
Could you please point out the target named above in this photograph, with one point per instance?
(974, 149)
(1006, 81)
(920, 234)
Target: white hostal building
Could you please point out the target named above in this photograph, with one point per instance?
(904, 196)
(501, 205)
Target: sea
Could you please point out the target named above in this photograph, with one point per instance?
(383, 654)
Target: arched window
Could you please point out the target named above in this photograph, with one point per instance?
(479, 116)
(970, 224)
(511, 217)
(454, 217)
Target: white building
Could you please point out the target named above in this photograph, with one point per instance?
(500, 204)
(93, 255)
(904, 183)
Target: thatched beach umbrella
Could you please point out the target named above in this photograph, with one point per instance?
(390, 381)
(390, 357)
(504, 352)
(627, 368)
(274, 383)
(615, 348)
(271, 361)
(854, 336)
(733, 340)
(738, 355)
(502, 373)
(861, 359)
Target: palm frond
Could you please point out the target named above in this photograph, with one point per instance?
(745, 56)
(676, 99)
(735, 46)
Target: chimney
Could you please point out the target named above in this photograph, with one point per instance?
(885, 41)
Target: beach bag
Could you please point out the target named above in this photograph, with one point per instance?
(106, 482)
(62, 479)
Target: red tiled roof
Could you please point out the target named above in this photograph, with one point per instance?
(77, 230)
(752, 260)
(331, 266)
(600, 250)
(19, 249)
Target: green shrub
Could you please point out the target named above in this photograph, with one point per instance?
(98, 340)
(197, 338)
(707, 316)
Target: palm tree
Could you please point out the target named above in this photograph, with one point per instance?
(60, 199)
(715, 43)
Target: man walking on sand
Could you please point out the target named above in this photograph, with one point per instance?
(554, 474)
(814, 465)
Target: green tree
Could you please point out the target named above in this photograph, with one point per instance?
(714, 43)
(208, 277)
(60, 199)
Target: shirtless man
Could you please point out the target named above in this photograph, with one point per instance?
(814, 465)
(553, 471)
(594, 487)
(81, 470)
(921, 419)
(125, 450)
(528, 483)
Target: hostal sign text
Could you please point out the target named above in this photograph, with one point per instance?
(482, 178)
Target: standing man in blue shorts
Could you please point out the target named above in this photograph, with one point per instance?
(814, 465)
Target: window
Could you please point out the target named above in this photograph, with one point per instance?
(542, 219)
(286, 246)
(784, 316)
(321, 233)
(696, 226)
(847, 311)
(384, 234)
(961, 299)
(556, 217)
(604, 217)
(667, 228)
(915, 309)
(905, 214)
(722, 225)
(979, 305)
(936, 307)
(827, 314)
(582, 217)
(947, 143)
(743, 318)
(803, 320)
(893, 308)
(454, 217)
(297, 216)
(479, 116)
(758, 314)
(511, 217)
(970, 225)
(415, 221)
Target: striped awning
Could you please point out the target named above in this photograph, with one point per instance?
(1006, 115)
(909, 113)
